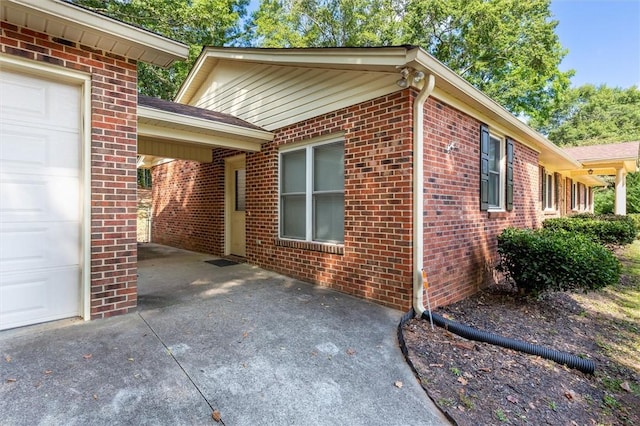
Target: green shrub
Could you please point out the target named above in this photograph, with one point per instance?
(605, 229)
(636, 219)
(546, 260)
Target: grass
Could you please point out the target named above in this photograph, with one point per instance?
(618, 308)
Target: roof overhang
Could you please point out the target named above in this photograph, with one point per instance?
(71, 22)
(171, 135)
(387, 61)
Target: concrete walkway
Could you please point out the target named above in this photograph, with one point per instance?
(260, 348)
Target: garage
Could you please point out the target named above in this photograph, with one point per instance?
(41, 205)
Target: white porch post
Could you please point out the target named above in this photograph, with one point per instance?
(621, 192)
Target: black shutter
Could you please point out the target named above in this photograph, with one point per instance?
(510, 155)
(543, 175)
(484, 167)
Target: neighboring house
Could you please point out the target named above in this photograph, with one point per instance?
(331, 200)
(68, 102)
(616, 159)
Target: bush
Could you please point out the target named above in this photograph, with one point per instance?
(636, 219)
(604, 229)
(546, 260)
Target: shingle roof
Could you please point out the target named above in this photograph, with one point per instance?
(614, 151)
(191, 111)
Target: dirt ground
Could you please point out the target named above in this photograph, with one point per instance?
(481, 384)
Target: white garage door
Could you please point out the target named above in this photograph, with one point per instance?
(40, 211)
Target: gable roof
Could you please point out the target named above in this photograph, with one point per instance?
(277, 87)
(606, 159)
(608, 152)
(71, 22)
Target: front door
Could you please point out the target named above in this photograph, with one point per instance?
(235, 205)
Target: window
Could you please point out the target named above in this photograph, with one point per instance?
(496, 171)
(312, 193)
(574, 195)
(548, 190)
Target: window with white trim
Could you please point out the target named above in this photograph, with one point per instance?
(549, 191)
(496, 171)
(574, 195)
(312, 193)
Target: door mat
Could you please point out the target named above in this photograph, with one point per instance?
(221, 262)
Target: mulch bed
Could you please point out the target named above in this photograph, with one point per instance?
(481, 384)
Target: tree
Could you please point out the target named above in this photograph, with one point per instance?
(506, 48)
(604, 198)
(591, 115)
(197, 23)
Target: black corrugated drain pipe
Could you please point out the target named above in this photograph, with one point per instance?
(571, 361)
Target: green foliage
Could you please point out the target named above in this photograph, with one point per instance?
(604, 229)
(636, 219)
(194, 22)
(547, 260)
(604, 198)
(590, 115)
(506, 48)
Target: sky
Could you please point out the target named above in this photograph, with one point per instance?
(603, 39)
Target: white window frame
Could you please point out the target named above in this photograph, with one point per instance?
(502, 173)
(574, 196)
(308, 147)
(550, 185)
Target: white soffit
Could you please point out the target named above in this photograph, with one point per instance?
(73, 23)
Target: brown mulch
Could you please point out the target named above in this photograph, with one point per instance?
(480, 384)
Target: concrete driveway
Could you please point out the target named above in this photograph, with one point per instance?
(257, 347)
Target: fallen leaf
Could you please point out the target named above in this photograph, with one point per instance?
(130, 359)
(48, 371)
(467, 375)
(463, 381)
(95, 396)
(625, 386)
(512, 399)
(12, 380)
(7, 358)
(569, 395)
(533, 407)
(216, 415)
(87, 356)
(398, 384)
(245, 334)
(436, 365)
(314, 353)
(463, 345)
(485, 369)
(351, 351)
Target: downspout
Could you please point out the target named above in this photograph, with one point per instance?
(418, 192)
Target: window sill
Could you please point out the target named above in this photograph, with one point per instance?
(312, 246)
(550, 212)
(497, 214)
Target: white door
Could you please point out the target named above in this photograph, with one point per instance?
(40, 210)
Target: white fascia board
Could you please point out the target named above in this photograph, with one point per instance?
(103, 26)
(441, 71)
(202, 125)
(151, 131)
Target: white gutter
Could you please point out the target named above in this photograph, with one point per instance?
(418, 192)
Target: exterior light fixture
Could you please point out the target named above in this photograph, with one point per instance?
(590, 171)
(418, 76)
(403, 82)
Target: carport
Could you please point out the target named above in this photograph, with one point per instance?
(168, 131)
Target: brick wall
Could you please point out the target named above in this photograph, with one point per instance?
(460, 240)
(113, 159)
(188, 204)
(376, 262)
